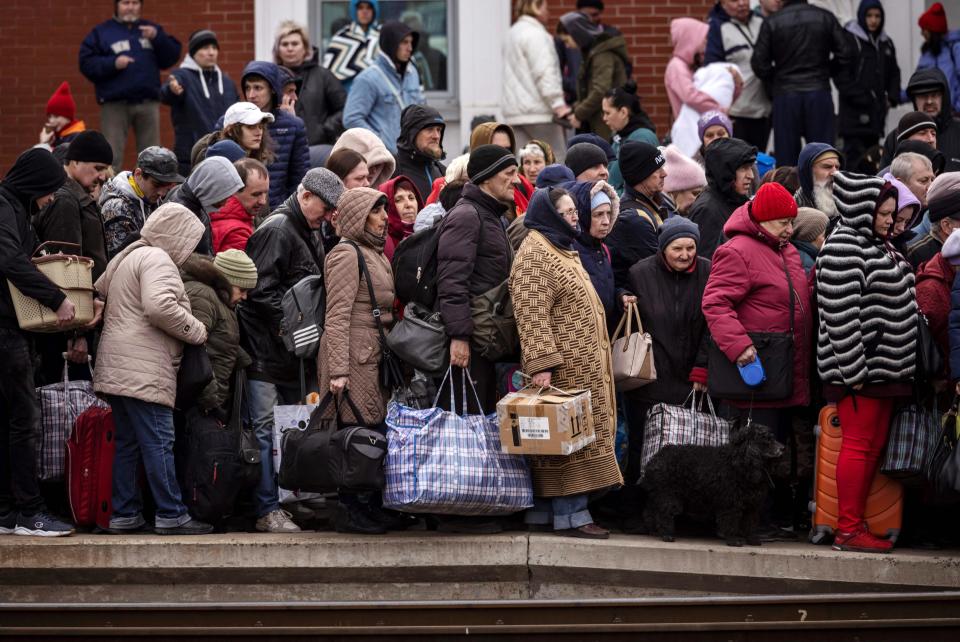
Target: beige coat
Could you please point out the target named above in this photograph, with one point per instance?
(563, 328)
(350, 346)
(147, 319)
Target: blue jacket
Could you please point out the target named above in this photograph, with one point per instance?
(289, 137)
(948, 61)
(372, 102)
(141, 79)
(195, 112)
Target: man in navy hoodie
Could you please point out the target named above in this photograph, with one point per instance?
(123, 57)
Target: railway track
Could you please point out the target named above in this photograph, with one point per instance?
(925, 617)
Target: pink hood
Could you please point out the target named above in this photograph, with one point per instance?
(689, 37)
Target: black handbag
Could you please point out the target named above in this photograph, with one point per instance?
(775, 351)
(391, 372)
(930, 360)
(249, 447)
(195, 373)
(329, 455)
(943, 468)
(420, 340)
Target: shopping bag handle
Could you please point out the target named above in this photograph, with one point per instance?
(466, 378)
(630, 312)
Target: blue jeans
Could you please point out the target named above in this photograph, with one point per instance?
(567, 512)
(262, 397)
(807, 114)
(144, 429)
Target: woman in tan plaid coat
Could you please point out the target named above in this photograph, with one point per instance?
(564, 343)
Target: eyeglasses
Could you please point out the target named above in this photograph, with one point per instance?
(573, 212)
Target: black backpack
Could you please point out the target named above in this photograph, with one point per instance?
(303, 306)
(415, 267)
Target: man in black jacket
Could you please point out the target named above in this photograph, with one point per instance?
(930, 93)
(730, 170)
(420, 147)
(284, 251)
(29, 185)
(793, 57)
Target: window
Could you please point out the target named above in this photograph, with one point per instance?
(433, 19)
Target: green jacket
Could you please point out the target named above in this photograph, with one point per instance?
(209, 294)
(604, 68)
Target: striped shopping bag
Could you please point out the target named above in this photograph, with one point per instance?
(441, 462)
(913, 436)
(669, 425)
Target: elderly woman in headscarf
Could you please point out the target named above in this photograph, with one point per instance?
(564, 343)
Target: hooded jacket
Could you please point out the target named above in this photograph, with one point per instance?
(35, 173)
(123, 211)
(594, 254)
(532, 86)
(873, 82)
(320, 101)
(74, 217)
(212, 182)
(865, 295)
(397, 230)
(140, 80)
(382, 91)
(410, 161)
(604, 67)
(730, 40)
(209, 293)
(292, 153)
(284, 250)
(948, 128)
(798, 46)
(206, 96)
(148, 317)
(231, 226)
(809, 154)
(350, 345)
(353, 48)
(689, 38)
(380, 161)
(714, 206)
(748, 292)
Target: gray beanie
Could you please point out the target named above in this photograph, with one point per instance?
(677, 227)
(325, 184)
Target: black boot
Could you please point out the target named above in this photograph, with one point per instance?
(390, 520)
(351, 519)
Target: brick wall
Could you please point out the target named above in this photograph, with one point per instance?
(40, 40)
(646, 27)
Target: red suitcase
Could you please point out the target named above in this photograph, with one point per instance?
(89, 467)
(884, 510)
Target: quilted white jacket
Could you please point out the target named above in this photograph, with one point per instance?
(531, 80)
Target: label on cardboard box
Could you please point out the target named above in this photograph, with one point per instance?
(534, 427)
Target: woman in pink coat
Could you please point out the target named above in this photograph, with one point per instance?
(689, 38)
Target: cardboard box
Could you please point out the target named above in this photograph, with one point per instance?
(548, 423)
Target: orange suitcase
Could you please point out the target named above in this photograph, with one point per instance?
(884, 512)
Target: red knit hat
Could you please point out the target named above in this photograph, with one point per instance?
(772, 202)
(934, 19)
(61, 102)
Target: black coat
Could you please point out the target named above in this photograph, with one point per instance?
(872, 85)
(670, 310)
(284, 252)
(948, 127)
(634, 235)
(411, 162)
(716, 203)
(473, 256)
(320, 102)
(74, 217)
(793, 49)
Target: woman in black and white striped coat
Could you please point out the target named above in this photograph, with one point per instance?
(867, 343)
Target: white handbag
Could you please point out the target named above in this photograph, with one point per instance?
(632, 353)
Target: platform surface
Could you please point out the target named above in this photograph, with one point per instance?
(425, 566)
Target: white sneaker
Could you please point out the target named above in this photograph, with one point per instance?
(277, 522)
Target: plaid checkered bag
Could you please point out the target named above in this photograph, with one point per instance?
(669, 425)
(913, 436)
(444, 463)
(60, 405)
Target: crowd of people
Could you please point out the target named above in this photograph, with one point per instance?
(574, 204)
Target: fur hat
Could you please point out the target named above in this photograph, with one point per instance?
(683, 172)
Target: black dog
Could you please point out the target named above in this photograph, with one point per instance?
(728, 482)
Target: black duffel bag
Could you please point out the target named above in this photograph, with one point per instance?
(329, 455)
(212, 471)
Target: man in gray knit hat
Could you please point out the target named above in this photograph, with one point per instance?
(285, 251)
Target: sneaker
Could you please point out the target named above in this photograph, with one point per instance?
(192, 527)
(42, 524)
(354, 520)
(8, 523)
(277, 521)
(861, 541)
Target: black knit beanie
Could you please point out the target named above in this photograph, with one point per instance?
(90, 147)
(638, 160)
(912, 122)
(583, 156)
(487, 161)
(200, 39)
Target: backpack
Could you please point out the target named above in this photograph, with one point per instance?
(303, 306)
(415, 267)
(495, 334)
